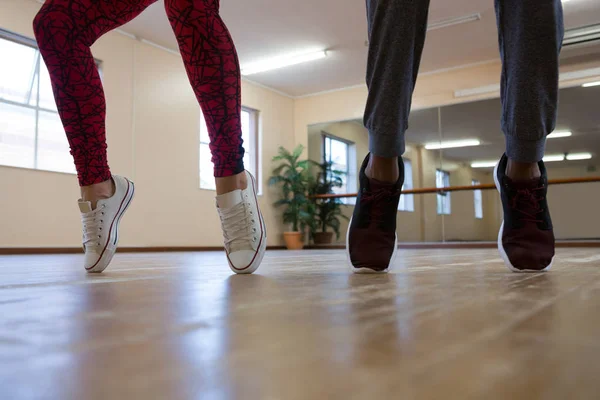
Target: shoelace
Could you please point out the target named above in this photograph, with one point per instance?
(380, 201)
(235, 222)
(527, 203)
(92, 226)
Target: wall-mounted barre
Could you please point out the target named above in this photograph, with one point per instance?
(463, 188)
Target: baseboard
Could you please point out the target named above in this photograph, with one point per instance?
(462, 245)
(165, 249)
(76, 250)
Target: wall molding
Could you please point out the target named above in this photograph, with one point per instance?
(584, 243)
(122, 249)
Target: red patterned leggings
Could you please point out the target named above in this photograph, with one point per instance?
(65, 30)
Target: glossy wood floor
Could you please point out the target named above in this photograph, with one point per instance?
(446, 324)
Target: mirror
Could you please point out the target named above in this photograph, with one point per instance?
(474, 215)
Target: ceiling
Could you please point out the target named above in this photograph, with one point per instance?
(266, 28)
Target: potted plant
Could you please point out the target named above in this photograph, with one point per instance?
(328, 212)
(293, 175)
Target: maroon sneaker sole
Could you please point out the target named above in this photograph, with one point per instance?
(368, 270)
(501, 247)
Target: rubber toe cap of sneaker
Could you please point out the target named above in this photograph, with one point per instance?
(91, 260)
(241, 260)
(526, 259)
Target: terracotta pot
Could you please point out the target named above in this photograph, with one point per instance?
(323, 237)
(293, 240)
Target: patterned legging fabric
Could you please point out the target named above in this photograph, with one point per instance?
(65, 30)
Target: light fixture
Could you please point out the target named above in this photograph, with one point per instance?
(452, 144)
(559, 134)
(282, 61)
(590, 84)
(484, 164)
(444, 23)
(554, 157)
(578, 156)
(581, 35)
(477, 91)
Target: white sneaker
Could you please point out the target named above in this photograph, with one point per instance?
(243, 227)
(101, 225)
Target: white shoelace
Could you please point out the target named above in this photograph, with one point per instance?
(237, 223)
(92, 227)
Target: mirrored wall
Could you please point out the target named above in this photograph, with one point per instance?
(458, 145)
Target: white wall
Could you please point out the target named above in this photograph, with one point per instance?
(152, 130)
(152, 133)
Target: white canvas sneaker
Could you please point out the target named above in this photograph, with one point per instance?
(101, 225)
(243, 227)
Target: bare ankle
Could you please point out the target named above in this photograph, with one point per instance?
(383, 169)
(98, 191)
(230, 183)
(519, 171)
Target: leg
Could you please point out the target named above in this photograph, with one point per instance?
(212, 66)
(65, 30)
(530, 35)
(397, 31)
(396, 36)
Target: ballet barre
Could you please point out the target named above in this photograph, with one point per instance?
(486, 186)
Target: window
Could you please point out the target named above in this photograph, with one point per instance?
(250, 138)
(407, 201)
(341, 153)
(31, 133)
(442, 179)
(478, 200)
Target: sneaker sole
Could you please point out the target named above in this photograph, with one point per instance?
(107, 256)
(355, 270)
(262, 247)
(500, 233)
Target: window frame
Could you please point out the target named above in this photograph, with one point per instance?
(350, 178)
(252, 148)
(409, 199)
(36, 79)
(443, 197)
(476, 192)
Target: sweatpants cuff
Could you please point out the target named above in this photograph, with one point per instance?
(386, 145)
(528, 151)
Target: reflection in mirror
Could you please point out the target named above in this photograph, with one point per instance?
(345, 144)
(571, 152)
(458, 145)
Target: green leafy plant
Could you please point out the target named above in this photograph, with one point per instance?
(328, 212)
(294, 177)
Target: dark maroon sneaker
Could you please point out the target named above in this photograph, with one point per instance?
(371, 241)
(526, 238)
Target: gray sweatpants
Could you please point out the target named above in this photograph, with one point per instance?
(530, 34)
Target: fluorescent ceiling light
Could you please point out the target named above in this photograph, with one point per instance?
(477, 91)
(584, 34)
(452, 144)
(564, 76)
(554, 157)
(559, 134)
(444, 23)
(548, 158)
(283, 61)
(578, 156)
(484, 164)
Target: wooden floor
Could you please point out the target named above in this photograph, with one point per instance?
(446, 324)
